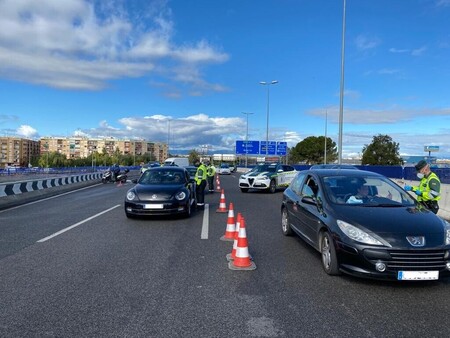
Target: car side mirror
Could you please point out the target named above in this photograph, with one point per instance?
(134, 180)
(309, 200)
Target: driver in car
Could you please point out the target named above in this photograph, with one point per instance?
(361, 196)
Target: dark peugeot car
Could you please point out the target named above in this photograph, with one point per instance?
(365, 225)
(161, 191)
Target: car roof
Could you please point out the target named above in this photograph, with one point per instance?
(166, 168)
(343, 172)
(333, 166)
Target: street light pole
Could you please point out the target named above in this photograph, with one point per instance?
(246, 141)
(264, 83)
(341, 105)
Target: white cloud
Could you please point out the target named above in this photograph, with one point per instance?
(73, 44)
(364, 42)
(182, 133)
(418, 51)
(27, 131)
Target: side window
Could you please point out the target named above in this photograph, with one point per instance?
(288, 168)
(310, 188)
(297, 182)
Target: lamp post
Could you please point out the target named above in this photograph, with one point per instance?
(246, 140)
(325, 146)
(264, 83)
(341, 105)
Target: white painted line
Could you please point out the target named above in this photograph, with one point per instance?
(49, 198)
(76, 224)
(205, 223)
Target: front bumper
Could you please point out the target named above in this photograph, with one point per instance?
(254, 183)
(156, 208)
(362, 261)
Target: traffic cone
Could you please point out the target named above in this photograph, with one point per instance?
(242, 258)
(232, 255)
(231, 226)
(120, 183)
(218, 185)
(222, 205)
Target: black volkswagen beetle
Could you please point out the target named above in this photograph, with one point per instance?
(161, 191)
(365, 225)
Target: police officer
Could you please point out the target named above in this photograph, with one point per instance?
(200, 180)
(429, 190)
(210, 173)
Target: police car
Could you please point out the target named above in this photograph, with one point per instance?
(271, 176)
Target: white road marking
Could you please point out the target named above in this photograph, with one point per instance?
(205, 223)
(49, 198)
(76, 224)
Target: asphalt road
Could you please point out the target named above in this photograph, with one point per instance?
(75, 266)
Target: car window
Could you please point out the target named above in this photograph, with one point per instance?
(296, 183)
(310, 188)
(288, 168)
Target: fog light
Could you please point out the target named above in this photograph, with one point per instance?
(446, 255)
(448, 265)
(381, 267)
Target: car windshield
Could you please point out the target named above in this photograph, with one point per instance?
(264, 168)
(224, 166)
(365, 191)
(162, 177)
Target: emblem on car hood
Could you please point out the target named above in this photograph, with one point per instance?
(154, 196)
(416, 241)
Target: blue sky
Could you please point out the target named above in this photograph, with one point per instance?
(183, 71)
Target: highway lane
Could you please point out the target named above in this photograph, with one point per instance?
(114, 277)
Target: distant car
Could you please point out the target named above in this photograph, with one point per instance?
(191, 170)
(224, 169)
(270, 177)
(149, 165)
(333, 166)
(161, 191)
(365, 225)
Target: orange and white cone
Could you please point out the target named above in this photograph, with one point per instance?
(218, 184)
(231, 225)
(222, 204)
(232, 255)
(242, 259)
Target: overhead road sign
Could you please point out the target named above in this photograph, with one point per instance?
(281, 148)
(271, 149)
(431, 148)
(259, 148)
(247, 147)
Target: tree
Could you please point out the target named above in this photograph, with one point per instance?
(193, 156)
(382, 151)
(311, 150)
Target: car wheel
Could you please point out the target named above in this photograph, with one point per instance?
(272, 186)
(329, 257)
(285, 224)
(244, 189)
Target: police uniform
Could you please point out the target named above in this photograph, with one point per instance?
(429, 189)
(200, 180)
(210, 173)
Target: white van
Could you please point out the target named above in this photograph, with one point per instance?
(176, 161)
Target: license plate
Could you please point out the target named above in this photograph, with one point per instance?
(418, 275)
(153, 206)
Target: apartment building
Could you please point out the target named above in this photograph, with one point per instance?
(17, 152)
(82, 147)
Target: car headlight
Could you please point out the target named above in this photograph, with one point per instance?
(262, 178)
(357, 234)
(131, 195)
(180, 195)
